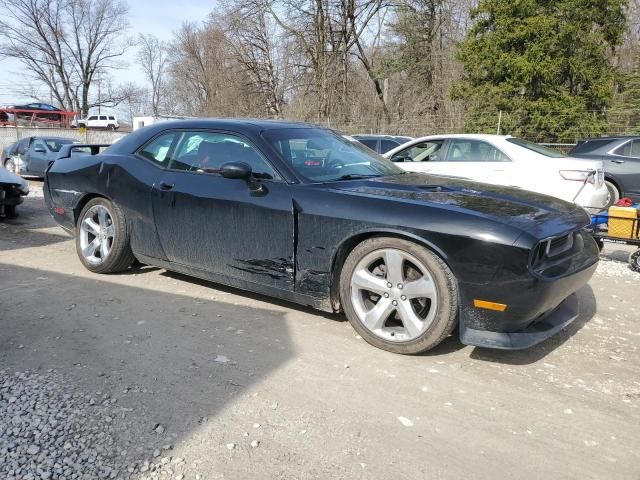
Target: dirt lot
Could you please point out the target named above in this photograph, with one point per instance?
(200, 381)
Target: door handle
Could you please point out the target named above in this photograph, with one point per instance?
(618, 161)
(166, 185)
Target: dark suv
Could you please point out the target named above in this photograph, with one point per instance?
(382, 143)
(621, 157)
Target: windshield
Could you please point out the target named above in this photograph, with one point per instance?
(547, 152)
(320, 155)
(55, 144)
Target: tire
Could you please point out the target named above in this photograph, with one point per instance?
(634, 261)
(431, 299)
(112, 128)
(614, 193)
(600, 244)
(10, 165)
(102, 237)
(10, 211)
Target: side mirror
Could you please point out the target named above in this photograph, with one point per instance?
(399, 158)
(237, 170)
(39, 150)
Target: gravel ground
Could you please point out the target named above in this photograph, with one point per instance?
(151, 375)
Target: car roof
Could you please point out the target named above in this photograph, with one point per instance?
(248, 125)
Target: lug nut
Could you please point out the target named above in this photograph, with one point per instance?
(394, 303)
(386, 295)
(403, 297)
(389, 285)
(399, 286)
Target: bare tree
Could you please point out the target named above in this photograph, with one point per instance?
(251, 35)
(152, 56)
(65, 44)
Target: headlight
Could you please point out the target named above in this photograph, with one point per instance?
(579, 175)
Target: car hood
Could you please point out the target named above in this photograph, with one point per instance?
(8, 179)
(538, 214)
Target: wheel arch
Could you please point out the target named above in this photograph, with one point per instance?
(347, 245)
(86, 198)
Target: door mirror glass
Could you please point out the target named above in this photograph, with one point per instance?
(237, 170)
(39, 149)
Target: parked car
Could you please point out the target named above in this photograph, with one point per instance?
(31, 155)
(508, 161)
(42, 110)
(13, 189)
(406, 256)
(382, 143)
(109, 122)
(7, 152)
(621, 157)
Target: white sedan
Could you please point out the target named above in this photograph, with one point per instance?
(506, 160)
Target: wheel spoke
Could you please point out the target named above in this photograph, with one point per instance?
(102, 217)
(393, 261)
(412, 323)
(421, 288)
(91, 249)
(375, 318)
(88, 225)
(104, 248)
(365, 280)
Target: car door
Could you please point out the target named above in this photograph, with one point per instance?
(420, 157)
(36, 156)
(624, 164)
(225, 226)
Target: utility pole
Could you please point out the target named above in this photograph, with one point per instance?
(99, 98)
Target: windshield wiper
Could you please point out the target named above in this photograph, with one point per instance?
(356, 176)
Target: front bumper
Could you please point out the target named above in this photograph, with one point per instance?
(546, 326)
(538, 305)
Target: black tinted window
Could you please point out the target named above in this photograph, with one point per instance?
(589, 146)
(372, 144)
(207, 152)
(629, 149)
(386, 145)
(158, 150)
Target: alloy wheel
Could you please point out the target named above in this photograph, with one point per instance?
(394, 295)
(96, 234)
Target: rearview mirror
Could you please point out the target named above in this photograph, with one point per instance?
(237, 170)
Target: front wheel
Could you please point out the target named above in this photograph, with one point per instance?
(102, 237)
(398, 295)
(12, 165)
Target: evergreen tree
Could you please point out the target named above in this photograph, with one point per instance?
(544, 63)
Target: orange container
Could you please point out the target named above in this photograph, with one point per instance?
(623, 222)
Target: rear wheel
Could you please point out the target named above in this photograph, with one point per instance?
(102, 237)
(10, 211)
(614, 193)
(398, 295)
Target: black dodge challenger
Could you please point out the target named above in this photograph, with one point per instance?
(297, 212)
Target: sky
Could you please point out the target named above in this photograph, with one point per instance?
(160, 18)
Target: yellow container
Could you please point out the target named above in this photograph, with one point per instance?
(625, 223)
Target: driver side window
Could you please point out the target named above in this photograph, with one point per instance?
(429, 151)
(207, 152)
